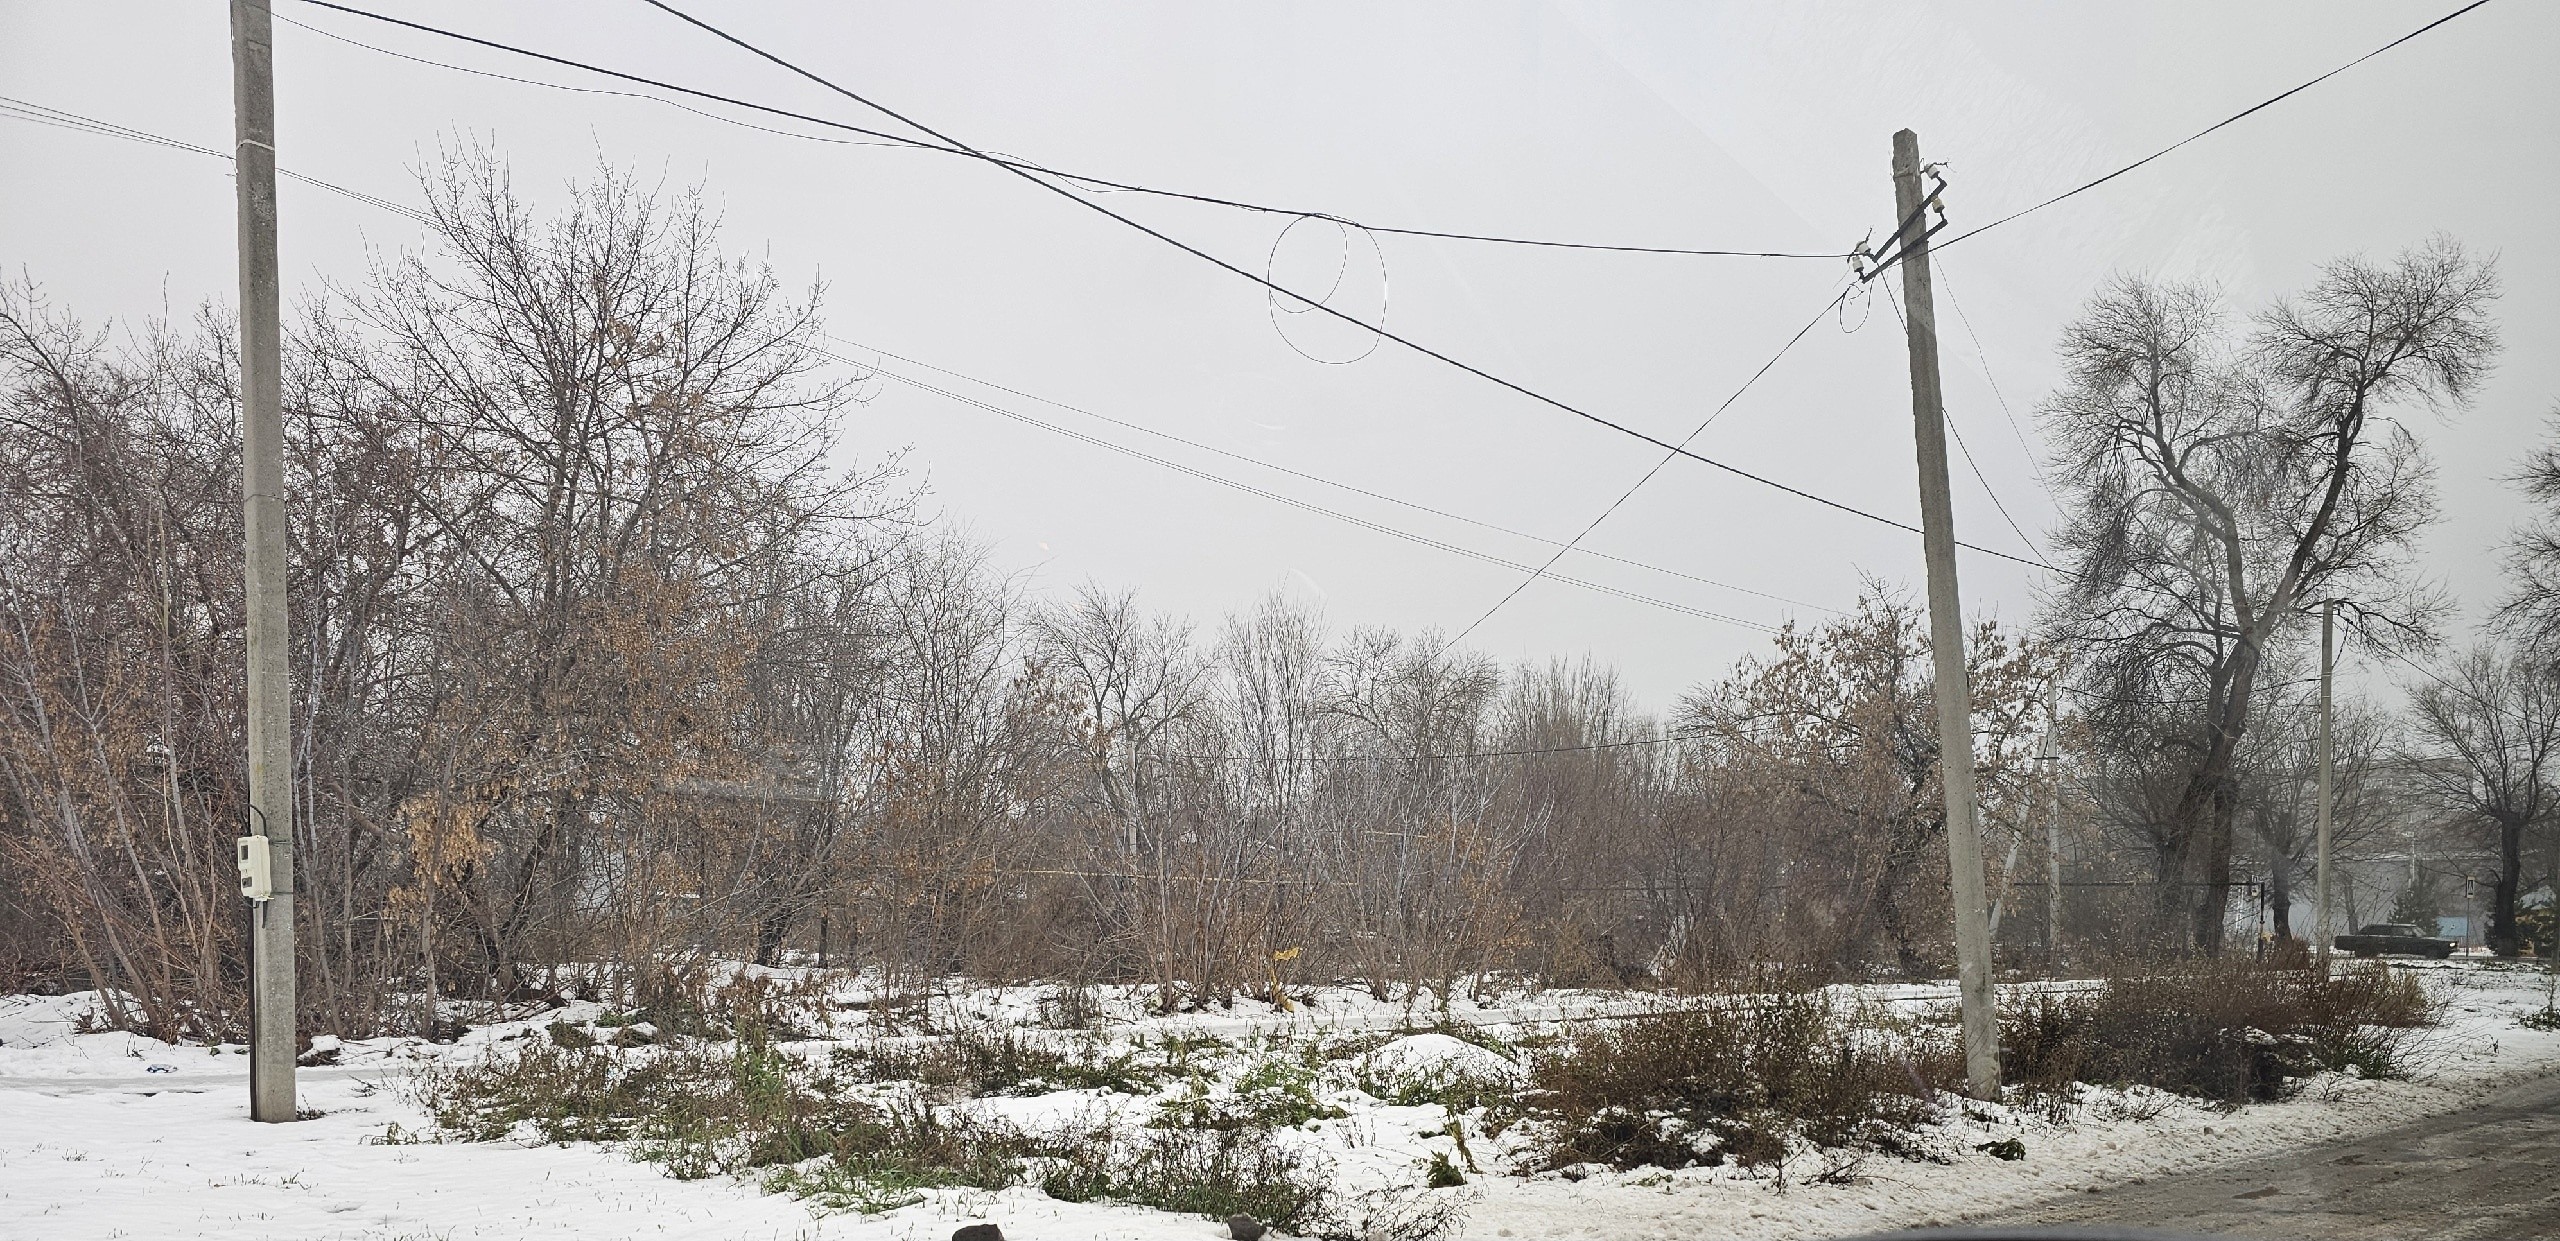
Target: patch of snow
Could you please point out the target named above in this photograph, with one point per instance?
(1424, 1062)
(97, 1141)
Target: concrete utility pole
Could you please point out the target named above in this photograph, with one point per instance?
(1946, 634)
(2320, 881)
(266, 854)
(2053, 818)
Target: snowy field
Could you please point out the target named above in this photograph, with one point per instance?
(114, 1135)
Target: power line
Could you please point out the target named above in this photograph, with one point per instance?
(886, 141)
(40, 114)
(1032, 173)
(66, 120)
(947, 147)
(2431, 675)
(1982, 357)
(1672, 737)
(1647, 476)
(2234, 117)
(1034, 178)
(1315, 478)
(1028, 171)
(1970, 463)
(1292, 501)
(2122, 701)
(36, 112)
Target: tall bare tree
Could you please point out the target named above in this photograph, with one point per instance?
(2227, 484)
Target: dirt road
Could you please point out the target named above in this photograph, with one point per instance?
(2488, 1171)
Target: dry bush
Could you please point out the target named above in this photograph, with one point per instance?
(976, 1062)
(1745, 1078)
(2229, 1032)
(704, 1110)
(1216, 1173)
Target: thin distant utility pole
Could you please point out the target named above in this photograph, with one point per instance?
(1946, 634)
(2053, 818)
(266, 853)
(2320, 900)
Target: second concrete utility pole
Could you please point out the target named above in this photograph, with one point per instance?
(2320, 882)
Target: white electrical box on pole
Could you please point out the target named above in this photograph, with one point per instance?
(1946, 632)
(2320, 880)
(266, 856)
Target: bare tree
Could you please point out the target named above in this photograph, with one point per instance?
(2532, 611)
(1837, 734)
(2279, 790)
(2225, 486)
(2489, 742)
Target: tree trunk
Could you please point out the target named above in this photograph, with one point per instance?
(2503, 938)
(2213, 904)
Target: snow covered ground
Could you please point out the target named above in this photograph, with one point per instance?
(114, 1135)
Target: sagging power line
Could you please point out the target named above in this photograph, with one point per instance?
(1364, 523)
(1036, 179)
(38, 112)
(1317, 479)
(882, 138)
(2242, 114)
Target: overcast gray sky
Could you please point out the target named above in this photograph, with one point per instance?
(1747, 126)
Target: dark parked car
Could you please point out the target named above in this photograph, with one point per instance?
(2394, 939)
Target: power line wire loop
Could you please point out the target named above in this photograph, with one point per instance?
(1277, 303)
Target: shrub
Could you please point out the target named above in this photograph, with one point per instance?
(1441, 1172)
(1214, 1173)
(977, 1062)
(1419, 1070)
(1741, 1078)
(701, 1111)
(2229, 1032)
(1272, 1093)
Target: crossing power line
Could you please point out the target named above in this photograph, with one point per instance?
(1318, 479)
(21, 109)
(1647, 476)
(2234, 118)
(1069, 195)
(887, 139)
(1058, 182)
(1033, 173)
(1275, 497)
(37, 112)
